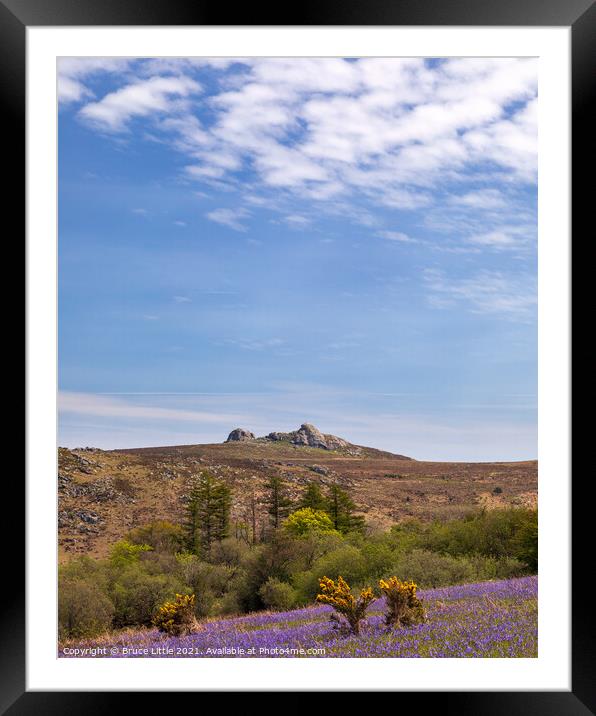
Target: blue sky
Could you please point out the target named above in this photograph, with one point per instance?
(265, 242)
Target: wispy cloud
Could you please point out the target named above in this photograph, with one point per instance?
(111, 407)
(489, 292)
(482, 199)
(232, 218)
(396, 236)
(158, 419)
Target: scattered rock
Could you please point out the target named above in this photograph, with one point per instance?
(319, 469)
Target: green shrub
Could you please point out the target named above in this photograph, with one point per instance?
(346, 560)
(209, 582)
(160, 535)
(429, 569)
(136, 595)
(84, 610)
(277, 595)
(306, 520)
(124, 553)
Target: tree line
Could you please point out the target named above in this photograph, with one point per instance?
(207, 518)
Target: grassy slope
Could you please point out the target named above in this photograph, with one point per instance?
(102, 494)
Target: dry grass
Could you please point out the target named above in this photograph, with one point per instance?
(125, 489)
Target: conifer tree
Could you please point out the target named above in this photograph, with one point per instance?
(340, 507)
(278, 503)
(313, 498)
(208, 514)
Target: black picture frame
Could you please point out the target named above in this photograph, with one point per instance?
(579, 15)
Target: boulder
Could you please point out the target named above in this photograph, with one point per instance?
(239, 435)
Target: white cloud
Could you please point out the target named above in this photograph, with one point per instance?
(229, 217)
(389, 131)
(494, 239)
(482, 199)
(109, 407)
(297, 221)
(396, 236)
(489, 292)
(165, 419)
(145, 97)
(72, 71)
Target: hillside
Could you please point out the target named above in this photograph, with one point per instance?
(104, 494)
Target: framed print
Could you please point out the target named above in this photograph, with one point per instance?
(298, 370)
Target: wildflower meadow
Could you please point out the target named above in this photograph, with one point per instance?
(493, 619)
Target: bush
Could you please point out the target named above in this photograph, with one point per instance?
(161, 536)
(137, 595)
(124, 553)
(430, 569)
(177, 618)
(277, 595)
(347, 560)
(494, 533)
(347, 607)
(209, 582)
(403, 606)
(306, 520)
(84, 610)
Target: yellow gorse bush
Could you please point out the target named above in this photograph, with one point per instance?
(176, 618)
(403, 606)
(340, 597)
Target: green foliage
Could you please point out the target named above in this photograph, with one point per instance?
(313, 497)
(277, 595)
(526, 542)
(340, 508)
(494, 533)
(347, 560)
(161, 536)
(306, 520)
(211, 583)
(136, 595)
(125, 553)
(278, 503)
(431, 569)
(84, 610)
(208, 514)
(148, 568)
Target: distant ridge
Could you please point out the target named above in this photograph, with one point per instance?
(307, 435)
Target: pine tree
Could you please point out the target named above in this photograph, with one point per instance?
(340, 507)
(208, 514)
(278, 503)
(313, 498)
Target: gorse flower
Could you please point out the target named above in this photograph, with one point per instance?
(176, 618)
(346, 605)
(403, 606)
